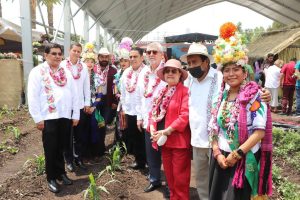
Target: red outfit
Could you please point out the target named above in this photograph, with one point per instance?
(288, 89)
(288, 70)
(176, 154)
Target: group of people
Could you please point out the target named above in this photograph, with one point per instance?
(165, 115)
(274, 74)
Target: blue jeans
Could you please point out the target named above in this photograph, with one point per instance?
(298, 100)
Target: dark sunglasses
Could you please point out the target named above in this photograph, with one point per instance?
(55, 54)
(153, 52)
(173, 71)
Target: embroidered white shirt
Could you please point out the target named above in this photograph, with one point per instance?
(82, 84)
(143, 104)
(66, 98)
(128, 99)
(198, 100)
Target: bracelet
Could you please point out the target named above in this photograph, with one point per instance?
(236, 156)
(216, 152)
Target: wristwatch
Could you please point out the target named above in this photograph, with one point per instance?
(240, 152)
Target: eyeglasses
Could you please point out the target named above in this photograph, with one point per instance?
(173, 71)
(55, 54)
(154, 52)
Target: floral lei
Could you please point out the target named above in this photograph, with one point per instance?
(131, 88)
(59, 78)
(146, 82)
(226, 121)
(101, 75)
(161, 103)
(79, 69)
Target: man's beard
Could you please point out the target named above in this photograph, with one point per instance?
(103, 63)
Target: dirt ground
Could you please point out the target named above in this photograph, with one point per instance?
(18, 181)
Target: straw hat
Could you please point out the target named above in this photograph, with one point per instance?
(196, 49)
(174, 64)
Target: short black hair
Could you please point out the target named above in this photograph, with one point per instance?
(139, 50)
(270, 55)
(50, 46)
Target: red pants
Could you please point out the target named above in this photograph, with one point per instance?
(177, 166)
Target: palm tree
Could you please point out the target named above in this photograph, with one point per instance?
(49, 4)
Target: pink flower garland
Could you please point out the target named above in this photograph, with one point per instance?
(101, 75)
(79, 68)
(149, 93)
(161, 103)
(131, 88)
(59, 78)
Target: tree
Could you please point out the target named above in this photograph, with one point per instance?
(49, 4)
(275, 26)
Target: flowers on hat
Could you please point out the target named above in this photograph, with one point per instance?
(230, 46)
(124, 48)
(89, 46)
(89, 55)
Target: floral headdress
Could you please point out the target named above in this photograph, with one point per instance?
(124, 48)
(89, 52)
(230, 47)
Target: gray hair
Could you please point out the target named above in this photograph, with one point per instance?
(156, 45)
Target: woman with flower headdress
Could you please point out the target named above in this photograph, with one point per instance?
(96, 120)
(123, 57)
(240, 128)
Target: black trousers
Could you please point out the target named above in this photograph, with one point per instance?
(135, 140)
(76, 144)
(55, 135)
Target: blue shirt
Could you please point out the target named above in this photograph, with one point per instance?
(297, 66)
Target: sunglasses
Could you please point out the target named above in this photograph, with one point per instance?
(55, 54)
(154, 52)
(173, 71)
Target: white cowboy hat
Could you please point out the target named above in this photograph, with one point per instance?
(104, 51)
(196, 49)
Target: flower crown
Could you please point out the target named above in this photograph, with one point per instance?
(89, 55)
(230, 47)
(124, 48)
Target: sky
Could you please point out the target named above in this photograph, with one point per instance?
(204, 20)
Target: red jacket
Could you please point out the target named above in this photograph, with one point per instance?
(177, 116)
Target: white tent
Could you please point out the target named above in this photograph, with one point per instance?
(11, 31)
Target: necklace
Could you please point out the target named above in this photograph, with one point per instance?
(79, 68)
(161, 103)
(58, 76)
(100, 76)
(131, 88)
(149, 93)
(229, 115)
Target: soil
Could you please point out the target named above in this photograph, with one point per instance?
(19, 181)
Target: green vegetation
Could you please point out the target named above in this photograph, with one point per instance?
(38, 164)
(6, 148)
(5, 111)
(287, 146)
(285, 188)
(15, 131)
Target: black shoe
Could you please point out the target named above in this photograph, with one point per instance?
(53, 186)
(80, 164)
(135, 165)
(70, 167)
(151, 187)
(167, 192)
(65, 179)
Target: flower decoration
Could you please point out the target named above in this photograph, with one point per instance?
(88, 55)
(227, 30)
(89, 46)
(230, 46)
(124, 48)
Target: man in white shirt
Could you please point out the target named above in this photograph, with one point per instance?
(78, 140)
(148, 87)
(133, 137)
(52, 97)
(202, 84)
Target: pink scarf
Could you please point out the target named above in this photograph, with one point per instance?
(265, 174)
